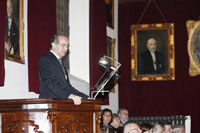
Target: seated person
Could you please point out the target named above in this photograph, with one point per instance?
(106, 116)
(146, 127)
(123, 116)
(115, 121)
(157, 128)
(167, 127)
(115, 124)
(178, 128)
(132, 128)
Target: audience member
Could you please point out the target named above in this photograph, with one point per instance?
(123, 116)
(167, 127)
(106, 117)
(146, 127)
(115, 121)
(157, 128)
(178, 128)
(132, 128)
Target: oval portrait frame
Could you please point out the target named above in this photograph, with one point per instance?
(193, 46)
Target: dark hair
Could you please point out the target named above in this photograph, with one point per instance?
(164, 123)
(55, 39)
(115, 116)
(103, 112)
(120, 110)
(145, 127)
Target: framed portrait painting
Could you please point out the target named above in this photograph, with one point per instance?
(152, 52)
(111, 53)
(110, 13)
(193, 28)
(14, 33)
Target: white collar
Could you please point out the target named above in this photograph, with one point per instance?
(55, 54)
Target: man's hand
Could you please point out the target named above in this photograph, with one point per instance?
(75, 98)
(12, 51)
(7, 47)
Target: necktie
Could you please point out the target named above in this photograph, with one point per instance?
(64, 70)
(154, 60)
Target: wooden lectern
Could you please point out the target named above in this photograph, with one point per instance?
(49, 116)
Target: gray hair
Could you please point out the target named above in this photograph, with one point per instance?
(55, 39)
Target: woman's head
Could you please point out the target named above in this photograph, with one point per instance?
(115, 120)
(106, 116)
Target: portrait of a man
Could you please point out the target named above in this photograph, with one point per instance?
(152, 53)
(197, 46)
(110, 13)
(12, 31)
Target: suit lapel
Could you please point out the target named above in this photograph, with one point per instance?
(58, 66)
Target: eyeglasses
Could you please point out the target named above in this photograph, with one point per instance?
(64, 45)
(124, 113)
(107, 115)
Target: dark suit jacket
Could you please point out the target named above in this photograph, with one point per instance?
(52, 79)
(145, 63)
(14, 36)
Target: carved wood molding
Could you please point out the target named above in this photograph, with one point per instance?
(51, 116)
(98, 117)
(12, 126)
(15, 125)
(79, 126)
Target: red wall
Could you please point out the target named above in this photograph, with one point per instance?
(2, 41)
(178, 97)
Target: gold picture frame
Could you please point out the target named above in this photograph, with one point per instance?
(14, 37)
(193, 46)
(145, 67)
(111, 53)
(111, 47)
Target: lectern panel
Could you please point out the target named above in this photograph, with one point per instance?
(48, 116)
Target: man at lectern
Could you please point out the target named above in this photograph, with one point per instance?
(54, 80)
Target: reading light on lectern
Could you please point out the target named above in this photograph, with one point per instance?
(104, 62)
(111, 65)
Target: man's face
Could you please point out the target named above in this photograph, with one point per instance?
(123, 115)
(181, 130)
(159, 129)
(132, 128)
(168, 129)
(151, 45)
(9, 8)
(61, 48)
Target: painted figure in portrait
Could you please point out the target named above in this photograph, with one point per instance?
(12, 31)
(152, 52)
(197, 46)
(110, 13)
